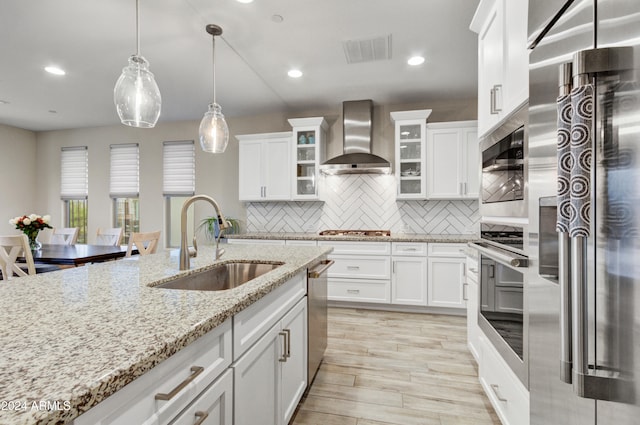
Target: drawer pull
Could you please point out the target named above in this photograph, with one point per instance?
(196, 370)
(410, 249)
(285, 334)
(201, 416)
(353, 267)
(495, 389)
(353, 291)
(464, 292)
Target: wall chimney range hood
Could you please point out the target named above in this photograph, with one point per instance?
(357, 127)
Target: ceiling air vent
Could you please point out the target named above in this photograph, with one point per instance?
(368, 50)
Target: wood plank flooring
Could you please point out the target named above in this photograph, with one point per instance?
(388, 368)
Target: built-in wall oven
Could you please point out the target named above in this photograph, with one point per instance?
(503, 165)
(502, 313)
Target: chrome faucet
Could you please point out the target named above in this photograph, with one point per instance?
(185, 254)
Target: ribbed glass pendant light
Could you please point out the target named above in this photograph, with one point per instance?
(136, 94)
(214, 132)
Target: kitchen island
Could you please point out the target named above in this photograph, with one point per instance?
(72, 338)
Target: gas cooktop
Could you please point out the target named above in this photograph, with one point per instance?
(355, 233)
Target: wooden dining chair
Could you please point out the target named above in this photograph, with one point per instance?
(146, 243)
(111, 236)
(12, 247)
(64, 236)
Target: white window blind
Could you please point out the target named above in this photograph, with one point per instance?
(74, 173)
(179, 168)
(125, 180)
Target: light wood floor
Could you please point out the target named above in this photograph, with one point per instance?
(384, 368)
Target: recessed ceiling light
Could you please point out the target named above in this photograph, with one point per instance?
(54, 70)
(294, 73)
(245, 1)
(416, 60)
(3, 102)
(277, 18)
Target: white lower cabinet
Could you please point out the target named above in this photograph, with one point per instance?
(270, 377)
(446, 270)
(507, 394)
(472, 294)
(213, 407)
(409, 273)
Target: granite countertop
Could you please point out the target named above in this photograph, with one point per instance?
(399, 237)
(73, 337)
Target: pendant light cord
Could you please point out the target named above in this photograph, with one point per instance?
(213, 56)
(137, 30)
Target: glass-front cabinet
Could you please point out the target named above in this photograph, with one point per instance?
(308, 153)
(410, 143)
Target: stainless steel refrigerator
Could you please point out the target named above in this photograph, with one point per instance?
(584, 212)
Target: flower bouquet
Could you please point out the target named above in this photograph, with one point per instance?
(31, 225)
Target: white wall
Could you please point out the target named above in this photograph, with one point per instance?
(18, 176)
(216, 175)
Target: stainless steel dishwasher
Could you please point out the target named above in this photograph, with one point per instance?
(317, 317)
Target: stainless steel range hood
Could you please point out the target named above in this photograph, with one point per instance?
(357, 126)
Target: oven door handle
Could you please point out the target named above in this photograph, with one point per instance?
(502, 256)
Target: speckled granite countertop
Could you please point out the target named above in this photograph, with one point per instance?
(399, 237)
(74, 337)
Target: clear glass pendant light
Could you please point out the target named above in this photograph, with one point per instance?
(136, 94)
(214, 132)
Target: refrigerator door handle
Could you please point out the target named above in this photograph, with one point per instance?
(566, 336)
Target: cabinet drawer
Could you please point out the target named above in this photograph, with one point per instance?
(505, 391)
(358, 248)
(359, 290)
(296, 242)
(254, 321)
(409, 248)
(360, 267)
(136, 403)
(447, 250)
(216, 403)
(256, 241)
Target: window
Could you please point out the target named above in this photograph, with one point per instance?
(125, 187)
(74, 188)
(179, 182)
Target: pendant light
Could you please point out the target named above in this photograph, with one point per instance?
(214, 132)
(136, 94)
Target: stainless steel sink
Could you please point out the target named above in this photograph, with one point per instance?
(220, 278)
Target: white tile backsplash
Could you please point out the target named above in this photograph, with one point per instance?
(362, 201)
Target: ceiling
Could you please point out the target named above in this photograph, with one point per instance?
(92, 40)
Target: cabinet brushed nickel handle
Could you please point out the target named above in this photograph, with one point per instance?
(201, 416)
(195, 371)
(353, 291)
(288, 331)
(495, 388)
(284, 347)
(353, 267)
(464, 291)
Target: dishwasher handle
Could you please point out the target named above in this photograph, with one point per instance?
(315, 273)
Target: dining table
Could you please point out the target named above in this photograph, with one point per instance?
(78, 254)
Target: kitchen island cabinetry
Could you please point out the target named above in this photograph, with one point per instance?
(410, 163)
(503, 73)
(452, 160)
(446, 269)
(308, 153)
(264, 167)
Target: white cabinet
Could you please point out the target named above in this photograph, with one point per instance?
(452, 160)
(270, 377)
(277, 242)
(308, 153)
(446, 269)
(472, 291)
(409, 273)
(410, 166)
(503, 74)
(213, 407)
(264, 167)
(157, 396)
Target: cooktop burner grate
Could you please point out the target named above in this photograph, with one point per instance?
(355, 233)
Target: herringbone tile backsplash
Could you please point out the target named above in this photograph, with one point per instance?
(363, 202)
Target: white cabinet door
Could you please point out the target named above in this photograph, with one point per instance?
(453, 166)
(472, 293)
(250, 170)
(517, 54)
(294, 369)
(490, 64)
(409, 281)
(446, 277)
(257, 381)
(277, 174)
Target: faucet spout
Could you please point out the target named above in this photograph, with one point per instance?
(185, 262)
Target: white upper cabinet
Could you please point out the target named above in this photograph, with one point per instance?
(264, 167)
(308, 142)
(503, 61)
(452, 166)
(410, 153)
